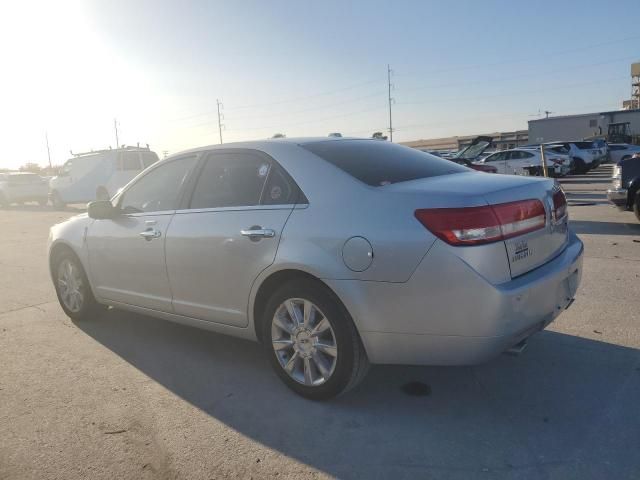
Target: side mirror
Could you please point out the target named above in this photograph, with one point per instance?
(101, 210)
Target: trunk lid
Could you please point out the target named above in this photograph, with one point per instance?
(524, 252)
(536, 248)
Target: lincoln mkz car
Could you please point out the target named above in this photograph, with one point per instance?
(333, 253)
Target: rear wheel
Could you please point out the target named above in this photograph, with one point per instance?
(311, 341)
(72, 287)
(636, 205)
(580, 166)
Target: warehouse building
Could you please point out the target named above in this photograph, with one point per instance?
(578, 127)
(501, 141)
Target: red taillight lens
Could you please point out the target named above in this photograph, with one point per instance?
(559, 205)
(486, 224)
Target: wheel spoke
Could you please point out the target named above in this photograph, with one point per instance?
(328, 349)
(322, 326)
(308, 378)
(320, 365)
(291, 363)
(282, 344)
(282, 324)
(293, 312)
(308, 313)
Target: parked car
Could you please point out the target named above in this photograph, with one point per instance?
(333, 253)
(602, 147)
(585, 156)
(471, 155)
(479, 166)
(98, 175)
(19, 187)
(625, 185)
(622, 151)
(524, 161)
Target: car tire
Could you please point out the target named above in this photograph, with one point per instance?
(43, 202)
(57, 202)
(580, 166)
(319, 358)
(72, 287)
(636, 205)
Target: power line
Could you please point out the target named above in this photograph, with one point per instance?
(390, 101)
(541, 90)
(555, 72)
(524, 60)
(219, 104)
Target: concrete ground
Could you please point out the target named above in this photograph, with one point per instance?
(130, 397)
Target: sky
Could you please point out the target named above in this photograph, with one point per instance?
(301, 68)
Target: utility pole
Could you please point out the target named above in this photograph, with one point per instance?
(220, 117)
(46, 137)
(115, 126)
(390, 101)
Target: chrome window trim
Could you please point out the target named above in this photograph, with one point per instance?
(144, 214)
(236, 209)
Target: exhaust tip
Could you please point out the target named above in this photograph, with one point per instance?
(518, 348)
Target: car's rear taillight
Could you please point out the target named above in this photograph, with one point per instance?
(557, 161)
(559, 205)
(486, 224)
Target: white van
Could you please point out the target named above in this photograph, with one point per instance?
(98, 175)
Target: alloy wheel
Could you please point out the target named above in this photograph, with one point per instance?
(70, 286)
(304, 342)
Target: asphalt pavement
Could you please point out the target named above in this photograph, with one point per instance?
(131, 397)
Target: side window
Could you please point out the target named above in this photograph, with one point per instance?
(280, 189)
(231, 180)
(129, 161)
(158, 190)
(526, 154)
(494, 158)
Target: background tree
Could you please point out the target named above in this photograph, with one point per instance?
(279, 135)
(379, 136)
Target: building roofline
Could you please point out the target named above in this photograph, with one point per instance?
(609, 112)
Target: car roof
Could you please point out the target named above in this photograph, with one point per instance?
(266, 144)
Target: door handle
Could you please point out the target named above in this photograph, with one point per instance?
(258, 232)
(150, 234)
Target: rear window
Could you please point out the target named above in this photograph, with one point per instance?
(584, 145)
(379, 163)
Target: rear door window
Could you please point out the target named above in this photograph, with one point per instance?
(378, 163)
(231, 180)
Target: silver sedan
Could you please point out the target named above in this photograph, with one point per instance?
(333, 253)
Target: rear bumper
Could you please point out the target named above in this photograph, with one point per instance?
(618, 196)
(447, 314)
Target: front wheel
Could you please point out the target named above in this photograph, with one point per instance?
(72, 287)
(312, 342)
